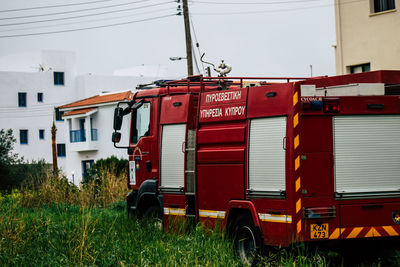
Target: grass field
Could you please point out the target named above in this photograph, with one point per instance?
(61, 234)
(56, 225)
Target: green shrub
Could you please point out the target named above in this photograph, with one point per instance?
(114, 165)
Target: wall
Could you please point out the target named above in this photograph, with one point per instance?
(40, 115)
(103, 122)
(366, 37)
(36, 115)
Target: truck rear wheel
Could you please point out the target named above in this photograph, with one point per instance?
(247, 240)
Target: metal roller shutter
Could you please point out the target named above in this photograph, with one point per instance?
(266, 154)
(172, 157)
(367, 153)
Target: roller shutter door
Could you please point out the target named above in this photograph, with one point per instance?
(266, 154)
(367, 153)
(172, 157)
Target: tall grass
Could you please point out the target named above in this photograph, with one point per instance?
(105, 189)
(62, 234)
(61, 224)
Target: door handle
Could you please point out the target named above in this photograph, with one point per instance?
(184, 147)
(374, 206)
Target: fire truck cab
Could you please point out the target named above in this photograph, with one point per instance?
(272, 162)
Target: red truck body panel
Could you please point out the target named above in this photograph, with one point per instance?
(311, 205)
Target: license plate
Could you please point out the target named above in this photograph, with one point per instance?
(319, 231)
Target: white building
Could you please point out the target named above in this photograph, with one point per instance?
(28, 102)
(88, 131)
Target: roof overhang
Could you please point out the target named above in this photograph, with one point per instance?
(79, 113)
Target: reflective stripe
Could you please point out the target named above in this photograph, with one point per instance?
(299, 226)
(335, 234)
(361, 232)
(212, 214)
(297, 163)
(295, 98)
(298, 205)
(173, 211)
(355, 232)
(295, 120)
(266, 217)
(296, 142)
(390, 230)
(298, 184)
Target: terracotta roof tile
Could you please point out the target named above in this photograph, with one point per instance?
(99, 99)
(78, 111)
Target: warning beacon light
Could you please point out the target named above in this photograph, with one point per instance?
(331, 105)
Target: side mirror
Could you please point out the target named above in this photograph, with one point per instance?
(138, 104)
(116, 137)
(118, 114)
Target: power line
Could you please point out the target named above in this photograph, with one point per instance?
(75, 11)
(197, 45)
(87, 21)
(272, 11)
(254, 3)
(87, 28)
(55, 6)
(88, 15)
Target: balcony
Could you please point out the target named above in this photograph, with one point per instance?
(77, 136)
(79, 142)
(93, 134)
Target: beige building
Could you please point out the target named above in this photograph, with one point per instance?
(367, 35)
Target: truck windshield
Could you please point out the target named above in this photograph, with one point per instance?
(140, 123)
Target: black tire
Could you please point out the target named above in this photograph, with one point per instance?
(130, 212)
(247, 240)
(153, 214)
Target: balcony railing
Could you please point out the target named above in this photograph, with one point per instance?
(80, 135)
(93, 134)
(77, 136)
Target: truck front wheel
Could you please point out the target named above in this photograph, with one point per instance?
(247, 240)
(153, 214)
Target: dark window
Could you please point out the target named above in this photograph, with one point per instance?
(41, 134)
(23, 136)
(360, 68)
(22, 99)
(59, 114)
(140, 123)
(86, 166)
(60, 150)
(58, 78)
(383, 5)
(39, 97)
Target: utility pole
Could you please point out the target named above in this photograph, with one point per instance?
(189, 56)
(54, 147)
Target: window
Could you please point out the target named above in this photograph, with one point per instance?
(60, 150)
(360, 68)
(383, 5)
(22, 99)
(59, 115)
(58, 78)
(41, 134)
(23, 137)
(140, 123)
(39, 97)
(86, 166)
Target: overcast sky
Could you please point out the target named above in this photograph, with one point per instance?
(255, 37)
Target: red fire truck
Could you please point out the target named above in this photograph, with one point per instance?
(273, 162)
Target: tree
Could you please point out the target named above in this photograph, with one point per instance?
(7, 141)
(7, 159)
(14, 171)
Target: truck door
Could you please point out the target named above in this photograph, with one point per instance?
(367, 174)
(142, 138)
(177, 184)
